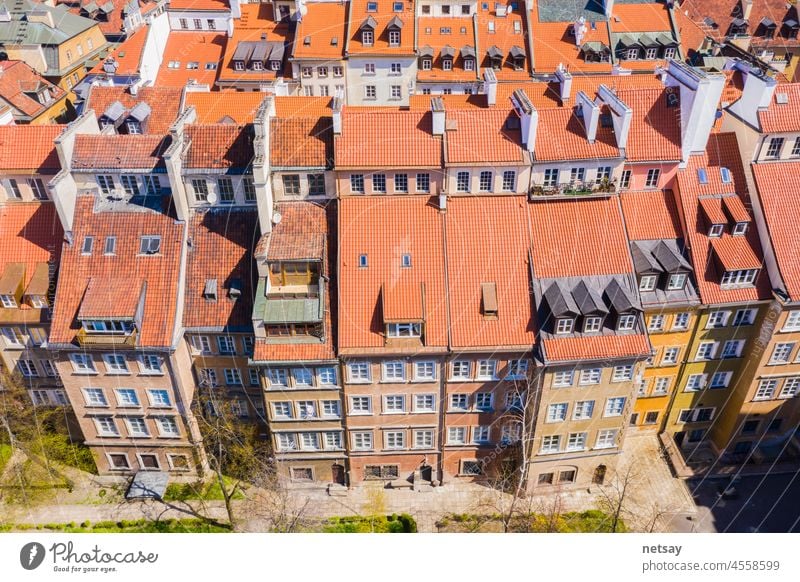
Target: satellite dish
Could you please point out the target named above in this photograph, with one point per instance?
(276, 218)
(212, 198)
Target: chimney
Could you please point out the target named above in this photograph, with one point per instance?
(336, 105)
(621, 115)
(608, 5)
(565, 80)
(747, 8)
(528, 116)
(236, 9)
(590, 111)
(580, 30)
(490, 87)
(757, 94)
(438, 114)
(700, 93)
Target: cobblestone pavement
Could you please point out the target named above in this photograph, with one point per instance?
(655, 499)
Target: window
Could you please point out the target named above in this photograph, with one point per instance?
(732, 349)
(741, 277)
(150, 244)
(651, 53)
(200, 188)
(462, 182)
(360, 405)
(481, 434)
(485, 181)
(775, 147)
(483, 401)
(509, 181)
(88, 244)
(631, 54)
(576, 441)
(302, 377)
(362, 441)
(278, 377)
(615, 406)
(717, 319)
(648, 282)
(653, 175)
(424, 371)
(394, 372)
(544, 479)
(460, 370)
(456, 435)
(357, 183)
(622, 373)
(744, 317)
(656, 323)
(394, 439)
(517, 369)
(158, 398)
(589, 376)
(459, 402)
(592, 324)
(791, 386)
(720, 380)
(676, 281)
(358, 372)
(401, 183)
(715, 230)
(225, 188)
(563, 379)
(306, 409)
(127, 397)
(696, 382)
(106, 426)
(564, 325)
(603, 174)
(661, 386)
(423, 183)
(511, 433)
(706, 351)
(37, 187)
(316, 185)
(781, 353)
(115, 364)
(49, 368)
(326, 376)
(606, 439)
(9, 302)
(291, 185)
(583, 410)
(309, 441)
(27, 368)
(207, 377)
(577, 175)
(550, 177)
(625, 181)
(740, 229)
(557, 412)
(424, 403)
(680, 321)
(487, 370)
(551, 444)
(82, 363)
(286, 442)
(423, 439)
(670, 356)
(792, 322)
(233, 377)
(225, 344)
(626, 322)
(394, 404)
(379, 183)
(136, 426)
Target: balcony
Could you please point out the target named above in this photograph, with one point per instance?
(573, 190)
(119, 340)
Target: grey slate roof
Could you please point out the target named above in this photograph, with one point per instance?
(560, 301)
(588, 300)
(620, 298)
(20, 31)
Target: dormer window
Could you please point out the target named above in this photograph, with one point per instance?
(426, 64)
(404, 330)
(394, 38)
(37, 301)
(134, 127)
(676, 281)
(648, 282)
(372, 6)
(565, 325)
(238, 65)
(8, 301)
(740, 229)
(725, 174)
(447, 64)
(626, 322)
(275, 65)
(489, 300)
(741, 277)
(632, 54)
(362, 261)
(367, 37)
(258, 66)
(716, 230)
(405, 261)
(469, 64)
(592, 324)
(107, 326)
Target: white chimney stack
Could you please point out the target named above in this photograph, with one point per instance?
(700, 94)
(747, 8)
(565, 81)
(608, 5)
(590, 111)
(490, 87)
(336, 105)
(621, 115)
(758, 91)
(438, 114)
(528, 118)
(580, 30)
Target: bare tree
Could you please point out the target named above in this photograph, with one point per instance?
(615, 496)
(278, 507)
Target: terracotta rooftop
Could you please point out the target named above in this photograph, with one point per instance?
(506, 34)
(111, 22)
(576, 238)
(119, 152)
(387, 139)
(299, 106)
(160, 272)
(218, 146)
(301, 233)
(722, 151)
(554, 45)
(779, 194)
(301, 142)
(164, 104)
(651, 215)
(416, 229)
(715, 17)
(655, 132)
(595, 347)
(640, 17)
(111, 298)
(255, 25)
(322, 32)
(216, 5)
(561, 135)
(484, 136)
(20, 86)
(488, 241)
(30, 147)
(127, 55)
(222, 244)
(380, 20)
(215, 106)
(453, 34)
(782, 117)
(189, 49)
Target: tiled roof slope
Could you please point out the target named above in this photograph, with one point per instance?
(483, 136)
(779, 195)
(508, 32)
(655, 132)
(722, 151)
(127, 54)
(30, 147)
(387, 139)
(415, 229)
(782, 117)
(488, 241)
(257, 23)
(222, 244)
(596, 347)
(382, 17)
(159, 272)
(164, 104)
(723, 12)
(18, 85)
(553, 45)
(301, 142)
(119, 152)
(321, 24)
(30, 233)
(574, 238)
(215, 106)
(651, 215)
(561, 135)
(219, 146)
(184, 47)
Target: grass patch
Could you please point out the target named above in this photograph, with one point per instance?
(592, 521)
(58, 448)
(199, 491)
(124, 526)
(394, 523)
(5, 455)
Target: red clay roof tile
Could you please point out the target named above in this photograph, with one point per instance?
(30, 233)
(481, 136)
(651, 215)
(164, 104)
(219, 146)
(30, 147)
(655, 132)
(119, 152)
(301, 142)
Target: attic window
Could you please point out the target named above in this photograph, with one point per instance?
(702, 175)
(565, 325)
(88, 243)
(605, 120)
(781, 98)
(592, 324)
(715, 230)
(235, 289)
(397, 6)
(210, 290)
(725, 174)
(517, 27)
(362, 261)
(405, 261)
(307, 41)
(489, 299)
(491, 26)
(150, 244)
(335, 41)
(740, 229)
(676, 281)
(372, 6)
(110, 246)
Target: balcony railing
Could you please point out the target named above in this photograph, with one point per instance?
(120, 340)
(573, 189)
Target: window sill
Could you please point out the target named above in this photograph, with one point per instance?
(150, 374)
(118, 373)
(169, 436)
(423, 412)
(465, 379)
(88, 373)
(605, 448)
(451, 410)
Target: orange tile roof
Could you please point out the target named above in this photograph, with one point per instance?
(561, 135)
(722, 12)
(651, 215)
(127, 54)
(481, 136)
(204, 48)
(30, 147)
(722, 151)
(111, 297)
(214, 106)
(779, 118)
(30, 233)
(735, 253)
(120, 152)
(256, 24)
(321, 24)
(640, 17)
(218, 146)
(160, 272)
(504, 37)
(595, 347)
(553, 46)
(383, 16)
(712, 208)
(219, 5)
(460, 33)
(415, 229)
(779, 193)
(17, 83)
(300, 234)
(403, 301)
(164, 104)
(499, 254)
(387, 139)
(573, 238)
(294, 105)
(222, 243)
(655, 132)
(691, 34)
(301, 142)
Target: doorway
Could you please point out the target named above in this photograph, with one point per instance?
(599, 475)
(337, 474)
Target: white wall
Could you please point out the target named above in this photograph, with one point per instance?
(315, 82)
(220, 20)
(153, 51)
(382, 79)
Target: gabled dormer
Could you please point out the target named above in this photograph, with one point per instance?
(367, 31)
(394, 30)
(403, 307)
(468, 57)
(592, 309)
(562, 308)
(448, 53)
(111, 311)
(624, 306)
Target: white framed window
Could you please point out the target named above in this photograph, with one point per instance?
(330, 409)
(115, 364)
(792, 322)
(306, 409)
(487, 370)
(517, 369)
(590, 376)
(360, 405)
(158, 397)
(424, 371)
(720, 380)
(233, 377)
(282, 410)
(592, 324)
(706, 351)
(82, 363)
(550, 178)
(717, 319)
(481, 434)
(278, 377)
(27, 368)
(565, 325)
(126, 397)
(394, 404)
(286, 442)
(695, 382)
(460, 369)
(509, 181)
(615, 406)
(362, 441)
(106, 426)
(404, 330)
(661, 386)
(333, 440)
(167, 426)
(563, 379)
(781, 353)
(137, 427)
(670, 355)
(622, 373)
(459, 402)
(744, 317)
(394, 439)
(309, 441)
(626, 322)
(653, 176)
(484, 401)
(94, 397)
(423, 439)
(656, 323)
(239, 408)
(766, 389)
(358, 372)
(583, 410)
(201, 344)
(149, 244)
(648, 282)
(740, 277)
(424, 403)
(680, 321)
(456, 435)
(732, 349)
(511, 432)
(302, 377)
(791, 386)
(551, 444)
(606, 439)
(576, 441)
(557, 412)
(326, 376)
(394, 371)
